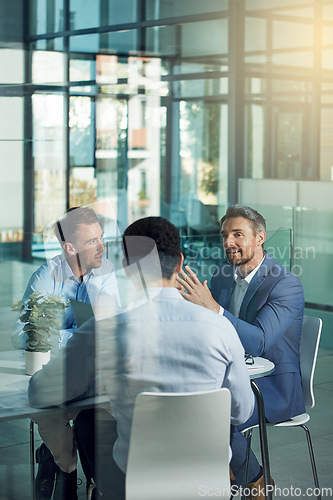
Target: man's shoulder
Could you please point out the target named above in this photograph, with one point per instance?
(45, 270)
(162, 309)
(276, 271)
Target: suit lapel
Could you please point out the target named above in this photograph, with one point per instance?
(226, 290)
(255, 284)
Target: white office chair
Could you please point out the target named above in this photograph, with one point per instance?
(199, 218)
(310, 338)
(179, 446)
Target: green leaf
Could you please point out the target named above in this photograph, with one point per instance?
(42, 317)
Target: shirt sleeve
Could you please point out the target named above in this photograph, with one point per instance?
(237, 380)
(107, 299)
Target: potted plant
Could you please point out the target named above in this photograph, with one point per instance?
(42, 318)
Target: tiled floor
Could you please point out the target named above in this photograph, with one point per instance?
(289, 458)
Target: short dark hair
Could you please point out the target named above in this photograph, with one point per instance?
(257, 221)
(161, 233)
(66, 227)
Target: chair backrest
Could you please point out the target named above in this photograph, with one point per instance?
(179, 447)
(199, 218)
(308, 352)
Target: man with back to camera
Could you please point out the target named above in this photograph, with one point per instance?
(156, 345)
(265, 303)
(82, 273)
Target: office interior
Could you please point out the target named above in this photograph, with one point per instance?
(176, 108)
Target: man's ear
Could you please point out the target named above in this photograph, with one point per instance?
(179, 266)
(69, 248)
(261, 236)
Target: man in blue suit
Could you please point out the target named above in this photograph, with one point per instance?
(265, 303)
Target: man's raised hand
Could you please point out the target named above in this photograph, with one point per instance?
(194, 291)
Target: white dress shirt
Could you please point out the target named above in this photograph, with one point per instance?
(239, 291)
(165, 345)
(55, 277)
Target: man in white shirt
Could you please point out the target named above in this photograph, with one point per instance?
(82, 273)
(156, 345)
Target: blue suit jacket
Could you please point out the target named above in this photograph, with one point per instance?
(269, 325)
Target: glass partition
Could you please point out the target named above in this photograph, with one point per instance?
(279, 245)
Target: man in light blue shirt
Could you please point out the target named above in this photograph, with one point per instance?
(82, 273)
(162, 344)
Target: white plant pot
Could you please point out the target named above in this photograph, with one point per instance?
(35, 360)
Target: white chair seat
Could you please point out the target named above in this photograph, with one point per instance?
(297, 420)
(294, 421)
(308, 356)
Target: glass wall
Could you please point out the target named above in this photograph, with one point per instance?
(154, 107)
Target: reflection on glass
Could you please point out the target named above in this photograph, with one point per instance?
(46, 16)
(130, 75)
(254, 129)
(162, 40)
(314, 253)
(118, 42)
(82, 70)
(288, 35)
(198, 88)
(294, 59)
(48, 67)
(204, 38)
(291, 154)
(328, 12)
(49, 159)
(128, 133)
(82, 186)
(200, 133)
(202, 66)
(326, 143)
(255, 34)
(11, 186)
(156, 9)
(86, 17)
(101, 13)
(11, 66)
(327, 59)
(82, 136)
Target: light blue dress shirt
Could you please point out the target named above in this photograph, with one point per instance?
(240, 289)
(166, 344)
(56, 277)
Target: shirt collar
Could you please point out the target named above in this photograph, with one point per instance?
(68, 273)
(239, 280)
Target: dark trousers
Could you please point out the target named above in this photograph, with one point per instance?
(96, 433)
(238, 446)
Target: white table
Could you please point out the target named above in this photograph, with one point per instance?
(261, 368)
